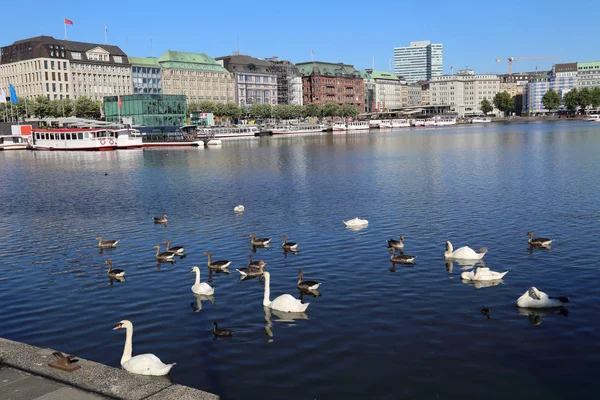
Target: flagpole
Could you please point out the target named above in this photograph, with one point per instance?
(64, 23)
(105, 35)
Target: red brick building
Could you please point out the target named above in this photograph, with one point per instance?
(332, 83)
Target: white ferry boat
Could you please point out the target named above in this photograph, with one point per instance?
(293, 129)
(375, 123)
(14, 142)
(445, 120)
(593, 118)
(385, 124)
(357, 125)
(232, 132)
(480, 120)
(127, 138)
(400, 123)
(74, 139)
(339, 127)
(430, 122)
(170, 136)
(418, 122)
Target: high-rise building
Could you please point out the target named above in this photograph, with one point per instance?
(421, 61)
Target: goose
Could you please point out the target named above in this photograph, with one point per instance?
(396, 244)
(252, 270)
(289, 245)
(538, 242)
(166, 256)
(306, 285)
(178, 250)
(239, 209)
(285, 302)
(220, 265)
(161, 220)
(482, 274)
(221, 332)
(142, 364)
(254, 264)
(201, 288)
(114, 273)
(259, 241)
(464, 253)
(401, 258)
(534, 298)
(105, 244)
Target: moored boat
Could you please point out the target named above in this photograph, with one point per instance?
(593, 118)
(357, 125)
(170, 136)
(480, 120)
(339, 127)
(127, 138)
(229, 132)
(14, 142)
(400, 123)
(293, 129)
(101, 139)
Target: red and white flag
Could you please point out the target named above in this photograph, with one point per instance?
(68, 22)
(120, 102)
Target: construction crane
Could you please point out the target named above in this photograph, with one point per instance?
(513, 59)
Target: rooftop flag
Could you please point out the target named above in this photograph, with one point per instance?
(13, 94)
(68, 22)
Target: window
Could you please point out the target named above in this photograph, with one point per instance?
(54, 87)
(66, 79)
(45, 64)
(46, 75)
(47, 87)
(118, 59)
(76, 56)
(51, 64)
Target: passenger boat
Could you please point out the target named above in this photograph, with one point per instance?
(357, 125)
(400, 123)
(445, 120)
(385, 124)
(430, 122)
(229, 132)
(293, 129)
(593, 118)
(167, 136)
(339, 127)
(418, 122)
(480, 120)
(14, 142)
(127, 138)
(375, 123)
(73, 139)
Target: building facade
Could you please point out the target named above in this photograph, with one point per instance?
(60, 69)
(339, 83)
(386, 90)
(425, 100)
(289, 82)
(147, 109)
(146, 75)
(562, 79)
(464, 91)
(588, 74)
(421, 61)
(254, 80)
(196, 76)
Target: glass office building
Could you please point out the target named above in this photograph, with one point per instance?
(148, 109)
(420, 61)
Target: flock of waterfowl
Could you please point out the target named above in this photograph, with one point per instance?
(149, 364)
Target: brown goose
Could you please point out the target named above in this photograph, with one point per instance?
(105, 244)
(178, 250)
(255, 264)
(114, 273)
(254, 270)
(306, 285)
(402, 258)
(289, 245)
(259, 241)
(166, 256)
(161, 220)
(538, 242)
(396, 244)
(219, 265)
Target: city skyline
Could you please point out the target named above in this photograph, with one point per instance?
(472, 38)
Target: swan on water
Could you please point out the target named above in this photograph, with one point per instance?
(538, 242)
(285, 302)
(239, 209)
(105, 244)
(201, 288)
(160, 220)
(142, 364)
(534, 298)
(482, 274)
(464, 253)
(355, 223)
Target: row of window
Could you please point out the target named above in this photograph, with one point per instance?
(54, 87)
(55, 75)
(101, 68)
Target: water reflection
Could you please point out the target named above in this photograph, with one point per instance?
(114, 279)
(535, 314)
(532, 249)
(199, 299)
(483, 284)
(463, 264)
(282, 316)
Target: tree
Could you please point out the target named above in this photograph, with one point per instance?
(551, 100)
(313, 110)
(260, 110)
(207, 106)
(596, 97)
(332, 110)
(584, 99)
(504, 102)
(486, 107)
(87, 108)
(572, 99)
(232, 110)
(348, 110)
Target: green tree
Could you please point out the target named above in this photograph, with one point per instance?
(584, 99)
(596, 97)
(87, 108)
(207, 106)
(313, 110)
(504, 102)
(332, 110)
(486, 107)
(297, 111)
(572, 99)
(551, 100)
(68, 107)
(218, 109)
(193, 107)
(232, 110)
(348, 110)
(260, 110)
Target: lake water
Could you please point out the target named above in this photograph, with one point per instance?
(376, 331)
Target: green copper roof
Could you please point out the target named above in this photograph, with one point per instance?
(378, 75)
(144, 61)
(327, 69)
(183, 60)
(593, 65)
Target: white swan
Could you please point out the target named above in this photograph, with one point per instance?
(285, 302)
(356, 222)
(482, 274)
(239, 209)
(201, 288)
(464, 253)
(142, 364)
(534, 298)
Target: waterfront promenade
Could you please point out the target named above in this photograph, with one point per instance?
(25, 375)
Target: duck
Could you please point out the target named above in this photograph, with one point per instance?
(401, 258)
(239, 209)
(538, 242)
(165, 256)
(220, 332)
(253, 270)
(482, 274)
(220, 265)
(161, 220)
(356, 222)
(285, 302)
(534, 298)
(259, 241)
(396, 244)
(142, 364)
(178, 250)
(464, 253)
(486, 311)
(114, 273)
(105, 244)
(306, 285)
(289, 245)
(201, 288)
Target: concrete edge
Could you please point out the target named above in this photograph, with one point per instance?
(95, 377)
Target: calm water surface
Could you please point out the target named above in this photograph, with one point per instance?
(375, 331)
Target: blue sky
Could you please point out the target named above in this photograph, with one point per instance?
(473, 35)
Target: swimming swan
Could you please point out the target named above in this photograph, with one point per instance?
(464, 253)
(534, 298)
(285, 302)
(201, 288)
(482, 274)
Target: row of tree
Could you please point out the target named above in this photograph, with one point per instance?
(279, 111)
(574, 99)
(503, 101)
(41, 107)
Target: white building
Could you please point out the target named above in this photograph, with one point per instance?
(464, 91)
(421, 61)
(383, 90)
